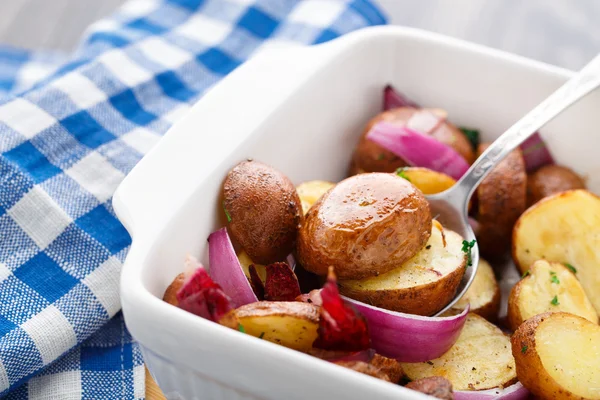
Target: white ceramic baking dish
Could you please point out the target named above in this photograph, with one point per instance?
(301, 111)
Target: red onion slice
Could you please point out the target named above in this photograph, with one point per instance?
(513, 392)
(418, 150)
(226, 270)
(424, 121)
(407, 337)
(536, 153)
(393, 99)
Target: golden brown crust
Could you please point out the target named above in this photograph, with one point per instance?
(501, 200)
(549, 180)
(365, 225)
(170, 295)
(370, 157)
(388, 366)
(264, 209)
(364, 368)
(436, 386)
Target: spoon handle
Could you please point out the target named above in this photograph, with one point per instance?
(574, 89)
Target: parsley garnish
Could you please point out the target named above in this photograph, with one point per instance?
(241, 328)
(554, 301)
(466, 248)
(523, 349)
(262, 334)
(400, 172)
(526, 273)
(226, 213)
(572, 268)
(554, 278)
(472, 135)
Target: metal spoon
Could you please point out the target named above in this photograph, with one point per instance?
(451, 205)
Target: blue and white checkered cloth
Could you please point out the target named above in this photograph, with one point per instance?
(69, 133)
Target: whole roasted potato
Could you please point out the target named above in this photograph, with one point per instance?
(558, 356)
(366, 225)
(501, 200)
(263, 210)
(550, 180)
(370, 157)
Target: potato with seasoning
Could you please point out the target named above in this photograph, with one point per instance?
(426, 180)
(549, 180)
(548, 287)
(365, 225)
(423, 285)
(558, 356)
(263, 211)
(501, 200)
(370, 157)
(563, 228)
(480, 359)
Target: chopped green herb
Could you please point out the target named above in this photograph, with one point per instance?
(554, 301)
(572, 268)
(226, 213)
(262, 334)
(467, 246)
(241, 328)
(523, 349)
(554, 278)
(526, 273)
(400, 172)
(381, 156)
(472, 135)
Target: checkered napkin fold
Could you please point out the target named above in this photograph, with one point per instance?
(69, 133)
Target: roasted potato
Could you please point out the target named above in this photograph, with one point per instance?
(370, 157)
(501, 200)
(434, 386)
(483, 295)
(480, 359)
(365, 225)
(388, 366)
(426, 180)
(548, 287)
(311, 191)
(549, 180)
(170, 295)
(364, 368)
(558, 356)
(423, 285)
(291, 324)
(263, 211)
(563, 228)
(246, 262)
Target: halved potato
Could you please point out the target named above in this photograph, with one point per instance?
(480, 359)
(558, 356)
(548, 287)
(311, 191)
(563, 228)
(483, 295)
(245, 262)
(291, 324)
(170, 295)
(423, 285)
(427, 180)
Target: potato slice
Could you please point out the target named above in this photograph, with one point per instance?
(426, 180)
(480, 359)
(423, 285)
(563, 228)
(170, 295)
(290, 324)
(548, 287)
(483, 295)
(245, 262)
(311, 191)
(558, 356)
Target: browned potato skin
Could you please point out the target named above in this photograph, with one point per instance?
(370, 157)
(435, 386)
(549, 180)
(365, 225)
(170, 295)
(265, 211)
(364, 368)
(388, 366)
(501, 200)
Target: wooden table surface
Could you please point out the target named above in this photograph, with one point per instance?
(152, 390)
